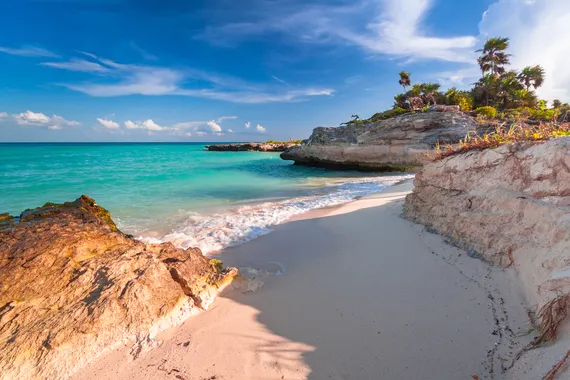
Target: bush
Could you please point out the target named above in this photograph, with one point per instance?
(515, 133)
(530, 113)
(465, 104)
(487, 112)
(388, 114)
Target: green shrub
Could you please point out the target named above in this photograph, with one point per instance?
(530, 113)
(487, 112)
(388, 114)
(465, 104)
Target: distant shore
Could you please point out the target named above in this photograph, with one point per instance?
(252, 147)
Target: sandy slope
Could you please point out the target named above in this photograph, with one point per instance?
(365, 295)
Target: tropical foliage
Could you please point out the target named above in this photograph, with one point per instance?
(510, 93)
(516, 132)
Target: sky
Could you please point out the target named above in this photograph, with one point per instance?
(248, 70)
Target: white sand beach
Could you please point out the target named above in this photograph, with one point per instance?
(365, 294)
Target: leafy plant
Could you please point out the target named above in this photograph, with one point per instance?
(486, 111)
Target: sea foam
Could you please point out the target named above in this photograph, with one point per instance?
(215, 232)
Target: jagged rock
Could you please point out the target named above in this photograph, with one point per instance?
(250, 147)
(72, 286)
(510, 206)
(395, 144)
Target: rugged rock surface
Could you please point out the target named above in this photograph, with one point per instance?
(395, 144)
(509, 205)
(72, 286)
(250, 147)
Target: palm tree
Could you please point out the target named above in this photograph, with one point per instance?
(508, 87)
(428, 90)
(485, 88)
(405, 80)
(493, 56)
(532, 76)
(401, 101)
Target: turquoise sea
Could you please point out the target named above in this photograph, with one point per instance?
(176, 192)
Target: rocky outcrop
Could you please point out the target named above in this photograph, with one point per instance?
(510, 206)
(250, 147)
(72, 286)
(395, 144)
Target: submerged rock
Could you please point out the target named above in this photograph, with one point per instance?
(396, 144)
(72, 287)
(510, 206)
(250, 147)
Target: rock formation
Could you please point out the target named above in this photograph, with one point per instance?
(72, 286)
(510, 206)
(395, 144)
(250, 147)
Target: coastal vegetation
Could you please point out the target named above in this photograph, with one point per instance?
(501, 93)
(516, 132)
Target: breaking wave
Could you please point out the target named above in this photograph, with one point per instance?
(215, 232)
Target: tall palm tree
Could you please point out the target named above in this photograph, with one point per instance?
(493, 58)
(532, 76)
(405, 80)
(508, 87)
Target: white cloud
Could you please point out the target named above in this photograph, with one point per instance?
(3, 115)
(221, 119)
(391, 27)
(201, 128)
(247, 125)
(130, 125)
(260, 128)
(28, 51)
(38, 119)
(149, 125)
(214, 127)
(539, 32)
(76, 64)
(130, 79)
(108, 123)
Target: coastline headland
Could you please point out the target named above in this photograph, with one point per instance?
(251, 147)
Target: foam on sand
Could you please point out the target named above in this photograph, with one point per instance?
(215, 232)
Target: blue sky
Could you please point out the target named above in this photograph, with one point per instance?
(222, 70)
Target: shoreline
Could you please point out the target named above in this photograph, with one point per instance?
(365, 294)
(241, 223)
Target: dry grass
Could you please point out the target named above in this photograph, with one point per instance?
(551, 316)
(517, 132)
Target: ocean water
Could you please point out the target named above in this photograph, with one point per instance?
(177, 192)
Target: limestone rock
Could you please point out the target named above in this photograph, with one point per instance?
(395, 144)
(72, 286)
(509, 205)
